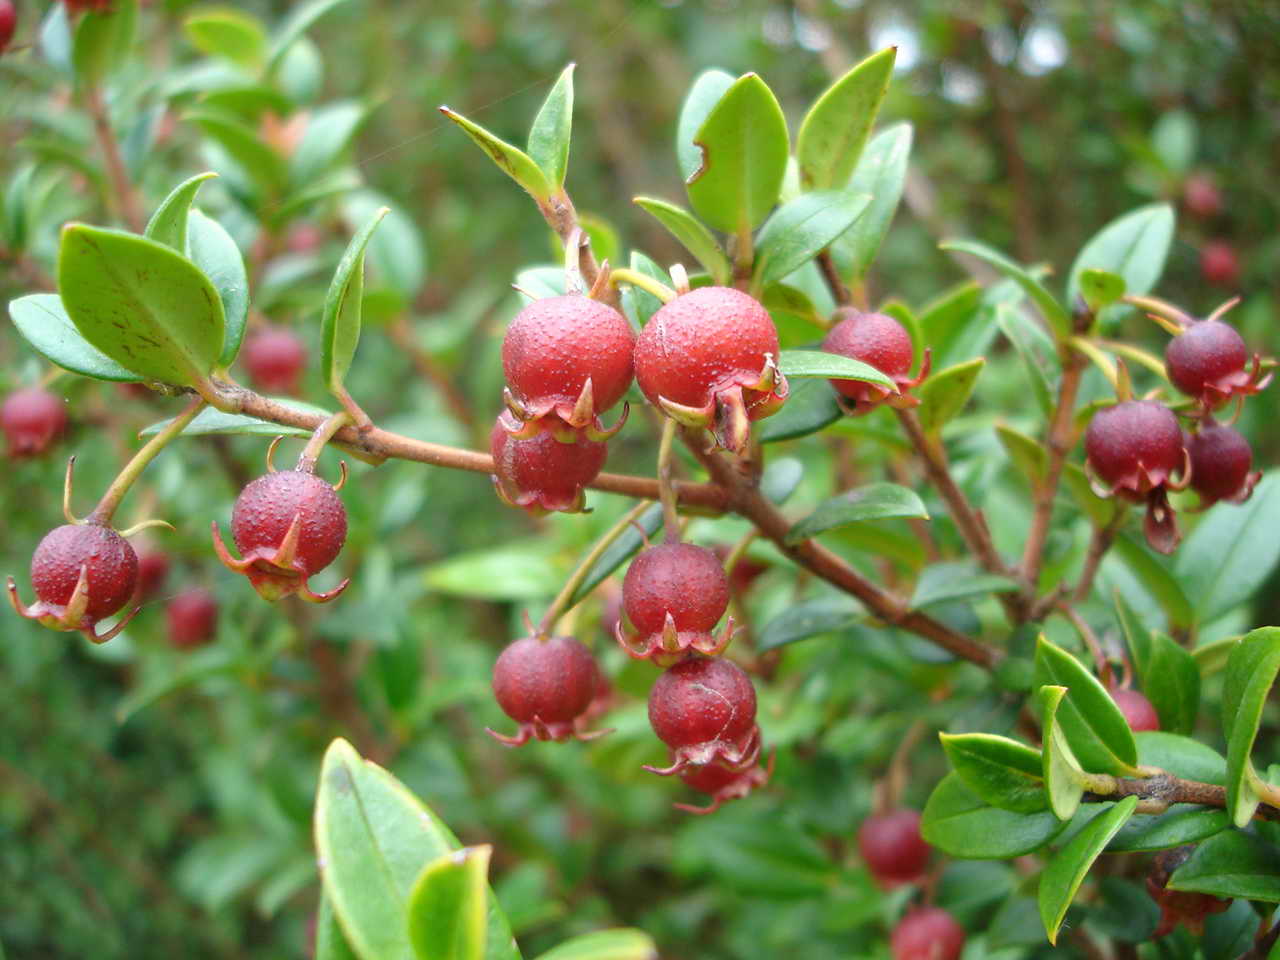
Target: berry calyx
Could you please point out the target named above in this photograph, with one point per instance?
(192, 618)
(570, 356)
(723, 784)
(709, 359)
(8, 23)
(1220, 462)
(545, 684)
(275, 358)
(1137, 709)
(540, 472)
(1210, 362)
(879, 341)
(31, 420)
(927, 933)
(893, 848)
(1176, 906)
(81, 573)
(704, 709)
(674, 594)
(1219, 264)
(288, 525)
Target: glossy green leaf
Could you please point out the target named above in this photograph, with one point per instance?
(619, 944)
(811, 618)
(1156, 575)
(520, 570)
(959, 580)
(1063, 778)
(1058, 319)
(1100, 288)
(707, 90)
(1027, 455)
(230, 33)
(1092, 723)
(447, 906)
(1232, 864)
(810, 407)
(553, 129)
(801, 229)
(168, 225)
(43, 321)
(325, 140)
(212, 422)
(818, 363)
(947, 325)
(1000, 771)
(1169, 677)
(211, 249)
(1066, 871)
(875, 501)
(690, 231)
(836, 127)
(331, 943)
(1251, 673)
(143, 305)
(1123, 910)
(960, 824)
(945, 393)
(1182, 756)
(102, 41)
(882, 173)
(511, 160)
(744, 147)
(620, 551)
(340, 330)
(1133, 247)
(1182, 823)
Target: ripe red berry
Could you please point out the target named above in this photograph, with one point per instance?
(193, 618)
(1220, 462)
(722, 784)
(927, 933)
(879, 341)
(32, 419)
(1178, 907)
(545, 684)
(287, 525)
(1219, 264)
(709, 359)
(1208, 361)
(1137, 709)
(1134, 447)
(704, 709)
(540, 472)
(674, 594)
(153, 567)
(81, 574)
(892, 847)
(567, 355)
(275, 358)
(8, 23)
(1200, 195)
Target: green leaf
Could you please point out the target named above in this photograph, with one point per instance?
(43, 321)
(642, 304)
(515, 571)
(1155, 574)
(1091, 722)
(875, 501)
(619, 944)
(954, 321)
(511, 160)
(143, 305)
(331, 943)
(340, 330)
(328, 134)
(618, 552)
(168, 225)
(1066, 871)
(242, 144)
(690, 231)
(1100, 288)
(810, 407)
(1027, 455)
(1169, 678)
(102, 42)
(1232, 864)
(781, 477)
(1058, 319)
(1180, 824)
(212, 422)
(211, 249)
(1133, 247)
(941, 582)
(1251, 673)
(1174, 140)
(943, 395)
(1099, 511)
(744, 146)
(783, 300)
(229, 33)
(783, 862)
(1063, 778)
(881, 172)
(1035, 350)
(1123, 910)
(301, 18)
(835, 129)
(1231, 552)
(819, 363)
(801, 229)
(707, 90)
(447, 906)
(812, 618)
(395, 257)
(1187, 758)
(960, 825)
(1000, 771)
(552, 130)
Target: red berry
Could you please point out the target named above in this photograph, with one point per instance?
(674, 594)
(555, 346)
(305, 238)
(193, 618)
(708, 358)
(1220, 462)
(275, 358)
(1178, 907)
(8, 23)
(1219, 264)
(1134, 447)
(287, 526)
(1207, 361)
(879, 341)
(544, 684)
(1200, 195)
(704, 709)
(153, 567)
(540, 472)
(892, 847)
(927, 933)
(1137, 709)
(32, 419)
(722, 784)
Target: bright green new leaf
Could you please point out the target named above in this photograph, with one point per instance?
(1232, 864)
(340, 332)
(960, 824)
(552, 130)
(1100, 288)
(1063, 778)
(447, 906)
(331, 943)
(211, 249)
(41, 318)
(875, 501)
(226, 32)
(1251, 673)
(707, 89)
(835, 129)
(801, 229)
(1091, 722)
(810, 406)
(168, 225)
(619, 944)
(818, 363)
(102, 41)
(1058, 319)
(1028, 456)
(1133, 247)
(1066, 871)
(882, 173)
(511, 160)
(520, 570)
(944, 394)
(1000, 771)
(691, 232)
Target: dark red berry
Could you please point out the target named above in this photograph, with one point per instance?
(540, 472)
(305, 238)
(193, 618)
(708, 358)
(1208, 361)
(1137, 709)
(1200, 195)
(1219, 264)
(674, 594)
(275, 358)
(556, 346)
(153, 567)
(722, 784)
(8, 23)
(892, 847)
(1220, 465)
(32, 419)
(1134, 447)
(287, 525)
(880, 341)
(1178, 907)
(927, 933)
(544, 684)
(704, 709)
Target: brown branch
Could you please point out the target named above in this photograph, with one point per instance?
(1099, 544)
(831, 275)
(125, 194)
(1161, 791)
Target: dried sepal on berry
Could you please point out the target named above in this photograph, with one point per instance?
(723, 784)
(674, 594)
(730, 754)
(548, 685)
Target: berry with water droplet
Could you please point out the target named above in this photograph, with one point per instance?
(879, 341)
(674, 594)
(545, 684)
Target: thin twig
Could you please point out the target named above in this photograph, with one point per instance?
(125, 193)
(1099, 544)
